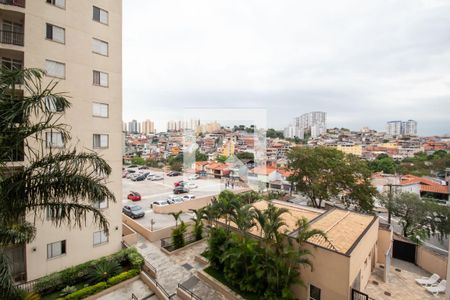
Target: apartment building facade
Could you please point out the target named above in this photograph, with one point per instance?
(78, 44)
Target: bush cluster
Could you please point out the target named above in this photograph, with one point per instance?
(74, 275)
(94, 289)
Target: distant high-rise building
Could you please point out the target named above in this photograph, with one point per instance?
(396, 128)
(183, 125)
(147, 127)
(312, 122)
(293, 131)
(133, 126)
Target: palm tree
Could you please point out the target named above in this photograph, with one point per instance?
(226, 204)
(63, 184)
(198, 224)
(271, 225)
(243, 218)
(176, 216)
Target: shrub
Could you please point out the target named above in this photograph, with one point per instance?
(68, 290)
(103, 270)
(218, 237)
(198, 230)
(178, 235)
(122, 277)
(87, 291)
(136, 259)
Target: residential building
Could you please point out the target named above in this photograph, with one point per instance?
(396, 128)
(147, 127)
(350, 149)
(313, 123)
(79, 44)
(133, 127)
(409, 127)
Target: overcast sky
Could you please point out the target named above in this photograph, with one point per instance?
(363, 62)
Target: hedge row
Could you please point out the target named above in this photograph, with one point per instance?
(74, 275)
(94, 289)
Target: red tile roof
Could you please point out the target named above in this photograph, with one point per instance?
(426, 185)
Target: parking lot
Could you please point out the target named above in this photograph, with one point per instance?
(160, 190)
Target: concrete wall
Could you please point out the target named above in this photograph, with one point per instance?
(330, 274)
(431, 261)
(129, 236)
(183, 206)
(362, 257)
(385, 238)
(152, 236)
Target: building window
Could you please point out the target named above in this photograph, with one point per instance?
(58, 3)
(52, 104)
(54, 139)
(56, 249)
(11, 64)
(101, 205)
(100, 141)
(100, 78)
(55, 69)
(100, 15)
(99, 47)
(55, 33)
(314, 292)
(100, 110)
(100, 237)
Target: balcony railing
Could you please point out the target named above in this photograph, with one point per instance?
(11, 37)
(20, 3)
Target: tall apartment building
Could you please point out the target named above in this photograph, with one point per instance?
(181, 125)
(134, 127)
(396, 128)
(313, 123)
(79, 44)
(147, 127)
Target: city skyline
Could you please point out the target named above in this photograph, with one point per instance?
(265, 55)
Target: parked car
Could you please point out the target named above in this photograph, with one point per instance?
(134, 196)
(194, 177)
(191, 185)
(175, 200)
(140, 177)
(180, 190)
(132, 167)
(156, 178)
(132, 175)
(133, 211)
(144, 168)
(173, 173)
(188, 197)
(160, 203)
(179, 183)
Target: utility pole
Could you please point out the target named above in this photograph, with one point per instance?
(390, 200)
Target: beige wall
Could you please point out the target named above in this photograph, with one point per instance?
(385, 238)
(431, 261)
(80, 61)
(330, 274)
(183, 206)
(362, 256)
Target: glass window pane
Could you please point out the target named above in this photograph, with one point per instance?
(58, 34)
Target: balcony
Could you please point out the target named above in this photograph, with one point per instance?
(19, 3)
(11, 37)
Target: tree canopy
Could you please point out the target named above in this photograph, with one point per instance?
(324, 173)
(383, 163)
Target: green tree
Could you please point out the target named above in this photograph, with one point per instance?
(383, 163)
(137, 160)
(176, 216)
(61, 183)
(245, 155)
(221, 158)
(272, 133)
(324, 173)
(198, 223)
(199, 156)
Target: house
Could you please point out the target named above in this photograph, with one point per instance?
(428, 188)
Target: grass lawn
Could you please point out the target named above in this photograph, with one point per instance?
(219, 276)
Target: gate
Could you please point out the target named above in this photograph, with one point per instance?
(357, 295)
(404, 251)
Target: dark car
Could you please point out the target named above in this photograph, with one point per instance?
(140, 177)
(180, 190)
(134, 196)
(173, 173)
(143, 168)
(133, 211)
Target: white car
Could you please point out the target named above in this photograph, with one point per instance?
(160, 203)
(191, 185)
(150, 176)
(156, 178)
(172, 199)
(194, 177)
(133, 175)
(188, 197)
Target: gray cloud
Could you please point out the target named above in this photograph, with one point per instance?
(364, 62)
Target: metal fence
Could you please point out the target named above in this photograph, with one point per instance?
(357, 295)
(159, 286)
(27, 286)
(191, 293)
(167, 243)
(11, 37)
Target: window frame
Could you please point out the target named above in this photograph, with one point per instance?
(53, 146)
(102, 104)
(57, 62)
(101, 41)
(63, 245)
(100, 140)
(103, 238)
(98, 205)
(51, 38)
(100, 14)
(100, 78)
(53, 3)
(309, 292)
